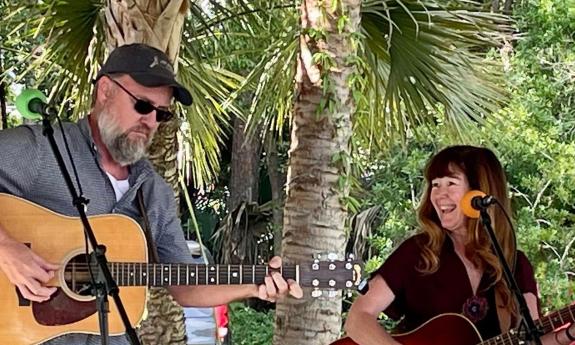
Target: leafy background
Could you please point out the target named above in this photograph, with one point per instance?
(534, 136)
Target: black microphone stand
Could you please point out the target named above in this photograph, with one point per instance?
(532, 333)
(103, 283)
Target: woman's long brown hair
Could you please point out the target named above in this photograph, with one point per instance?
(485, 173)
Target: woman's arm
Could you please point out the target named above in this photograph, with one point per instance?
(362, 325)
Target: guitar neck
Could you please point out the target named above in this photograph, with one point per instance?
(142, 274)
(318, 274)
(557, 319)
(546, 324)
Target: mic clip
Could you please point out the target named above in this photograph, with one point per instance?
(36, 105)
(481, 202)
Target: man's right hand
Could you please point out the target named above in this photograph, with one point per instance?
(25, 269)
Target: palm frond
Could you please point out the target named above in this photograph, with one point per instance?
(422, 59)
(207, 118)
(273, 78)
(362, 225)
(418, 59)
(68, 31)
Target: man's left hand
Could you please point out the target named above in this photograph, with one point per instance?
(275, 286)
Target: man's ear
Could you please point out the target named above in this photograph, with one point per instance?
(104, 86)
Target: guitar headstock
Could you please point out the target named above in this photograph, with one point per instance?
(330, 274)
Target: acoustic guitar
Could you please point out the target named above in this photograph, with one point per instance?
(72, 309)
(456, 329)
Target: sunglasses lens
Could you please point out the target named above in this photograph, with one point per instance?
(163, 115)
(143, 107)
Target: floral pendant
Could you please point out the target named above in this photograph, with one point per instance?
(475, 308)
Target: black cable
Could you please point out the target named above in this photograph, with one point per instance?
(514, 263)
(81, 193)
(81, 197)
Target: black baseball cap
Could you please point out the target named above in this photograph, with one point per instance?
(148, 66)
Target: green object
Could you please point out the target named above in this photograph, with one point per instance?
(24, 99)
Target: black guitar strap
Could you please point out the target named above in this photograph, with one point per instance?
(152, 250)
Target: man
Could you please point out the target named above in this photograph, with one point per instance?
(133, 92)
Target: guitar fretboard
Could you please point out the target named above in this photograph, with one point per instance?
(557, 319)
(143, 274)
(545, 324)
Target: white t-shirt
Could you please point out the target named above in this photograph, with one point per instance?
(120, 186)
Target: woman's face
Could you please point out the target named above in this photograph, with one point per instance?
(446, 193)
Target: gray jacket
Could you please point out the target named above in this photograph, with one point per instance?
(29, 170)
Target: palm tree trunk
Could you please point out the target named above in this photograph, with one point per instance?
(244, 189)
(277, 181)
(315, 217)
(495, 6)
(245, 166)
(508, 7)
(158, 23)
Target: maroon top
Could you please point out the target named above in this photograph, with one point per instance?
(419, 297)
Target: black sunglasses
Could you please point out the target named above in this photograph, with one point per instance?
(145, 107)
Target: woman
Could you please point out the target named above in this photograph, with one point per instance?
(449, 266)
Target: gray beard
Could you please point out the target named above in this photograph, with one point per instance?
(123, 150)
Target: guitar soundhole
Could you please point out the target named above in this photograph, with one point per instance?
(77, 275)
(74, 301)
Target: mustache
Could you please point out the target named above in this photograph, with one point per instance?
(141, 129)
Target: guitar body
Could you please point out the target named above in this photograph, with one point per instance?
(58, 239)
(444, 329)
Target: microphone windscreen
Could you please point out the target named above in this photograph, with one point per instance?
(23, 100)
(466, 204)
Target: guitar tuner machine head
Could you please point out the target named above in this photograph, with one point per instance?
(336, 275)
(324, 294)
(328, 256)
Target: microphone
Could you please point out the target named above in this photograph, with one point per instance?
(475, 201)
(33, 105)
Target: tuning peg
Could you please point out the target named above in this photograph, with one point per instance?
(316, 257)
(316, 293)
(351, 257)
(332, 256)
(332, 293)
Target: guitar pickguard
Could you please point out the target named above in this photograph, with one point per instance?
(62, 310)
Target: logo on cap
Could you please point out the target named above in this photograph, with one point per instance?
(162, 63)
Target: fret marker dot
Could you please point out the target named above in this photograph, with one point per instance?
(235, 274)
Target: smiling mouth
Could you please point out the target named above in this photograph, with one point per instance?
(446, 209)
